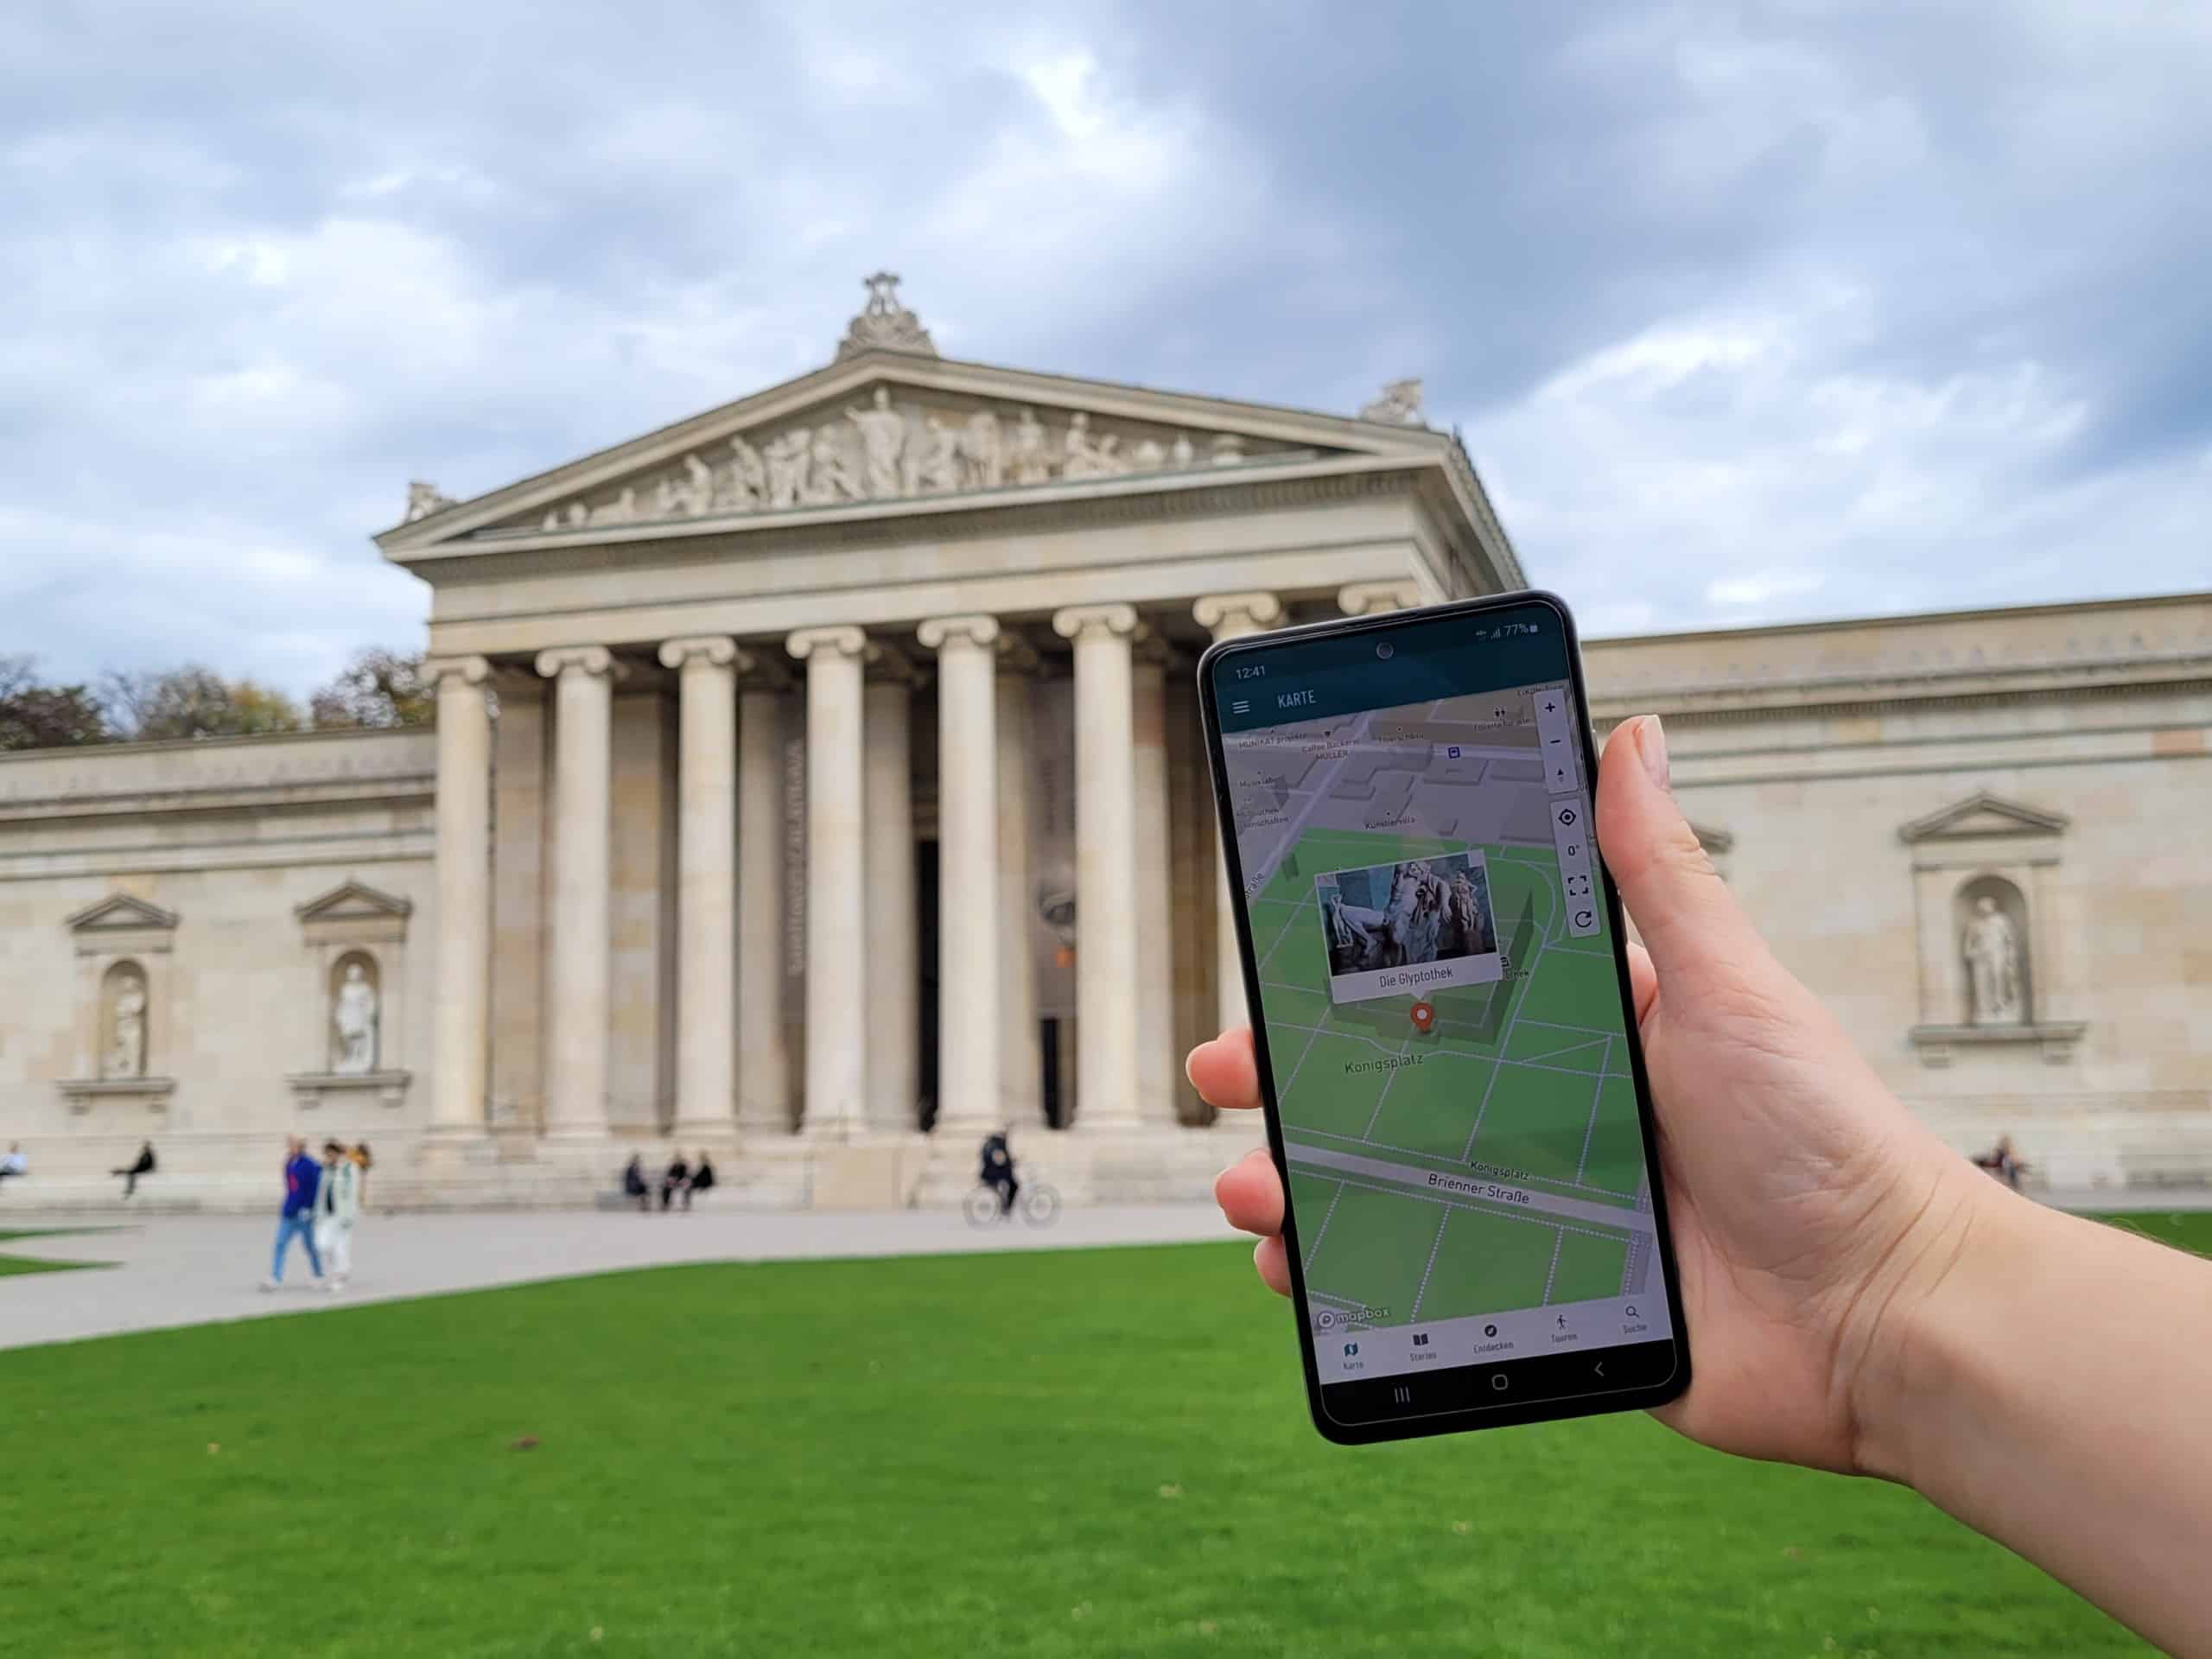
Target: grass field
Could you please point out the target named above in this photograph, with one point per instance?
(10, 1264)
(1085, 1453)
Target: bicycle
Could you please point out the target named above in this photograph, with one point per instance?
(1038, 1205)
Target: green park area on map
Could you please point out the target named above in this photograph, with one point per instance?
(1522, 1084)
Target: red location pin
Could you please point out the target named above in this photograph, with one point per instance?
(1424, 1017)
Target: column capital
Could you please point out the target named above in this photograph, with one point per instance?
(718, 650)
(1375, 598)
(1089, 621)
(975, 630)
(471, 670)
(1247, 613)
(1150, 649)
(588, 659)
(845, 641)
(1017, 655)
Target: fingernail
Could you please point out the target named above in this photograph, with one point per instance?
(1651, 744)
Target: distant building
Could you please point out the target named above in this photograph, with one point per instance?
(818, 779)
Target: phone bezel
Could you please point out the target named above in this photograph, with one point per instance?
(1417, 1424)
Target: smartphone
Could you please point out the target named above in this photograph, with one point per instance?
(1446, 1040)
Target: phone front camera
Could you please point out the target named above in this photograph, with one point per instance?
(1384, 651)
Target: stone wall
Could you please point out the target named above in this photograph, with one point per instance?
(232, 883)
(1858, 782)
(1863, 778)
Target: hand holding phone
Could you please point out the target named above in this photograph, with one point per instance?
(1455, 1091)
(1866, 1300)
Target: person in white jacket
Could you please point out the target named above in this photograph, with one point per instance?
(337, 1206)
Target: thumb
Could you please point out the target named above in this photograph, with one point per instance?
(1690, 922)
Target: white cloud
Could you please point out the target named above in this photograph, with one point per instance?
(1745, 312)
(1731, 472)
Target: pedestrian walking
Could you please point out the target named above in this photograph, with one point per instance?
(338, 1206)
(303, 1180)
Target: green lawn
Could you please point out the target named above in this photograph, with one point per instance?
(1102, 1453)
(10, 1265)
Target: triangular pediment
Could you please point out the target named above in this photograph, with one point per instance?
(890, 428)
(354, 901)
(120, 912)
(1982, 815)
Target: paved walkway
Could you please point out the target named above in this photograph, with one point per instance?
(194, 1270)
(177, 1270)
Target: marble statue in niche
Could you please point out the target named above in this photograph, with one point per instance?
(1991, 945)
(353, 1015)
(125, 1054)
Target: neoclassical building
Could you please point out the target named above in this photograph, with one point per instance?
(818, 780)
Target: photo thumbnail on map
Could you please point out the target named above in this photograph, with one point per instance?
(1419, 925)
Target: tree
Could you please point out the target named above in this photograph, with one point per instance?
(193, 701)
(35, 715)
(378, 688)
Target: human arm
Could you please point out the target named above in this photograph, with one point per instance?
(1858, 1298)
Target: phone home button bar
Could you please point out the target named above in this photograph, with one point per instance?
(1520, 1381)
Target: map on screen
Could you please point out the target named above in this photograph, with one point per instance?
(1445, 1031)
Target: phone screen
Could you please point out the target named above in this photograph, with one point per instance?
(1443, 1015)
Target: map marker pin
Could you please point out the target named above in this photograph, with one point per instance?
(1424, 1016)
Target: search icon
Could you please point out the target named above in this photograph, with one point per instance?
(1631, 1311)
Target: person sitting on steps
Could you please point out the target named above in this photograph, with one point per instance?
(143, 1165)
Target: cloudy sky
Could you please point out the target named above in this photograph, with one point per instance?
(1746, 312)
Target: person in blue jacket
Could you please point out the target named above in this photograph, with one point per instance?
(303, 1180)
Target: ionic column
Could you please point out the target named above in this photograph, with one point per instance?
(464, 874)
(1105, 864)
(706, 885)
(967, 878)
(836, 931)
(894, 977)
(1231, 616)
(1021, 1047)
(575, 1088)
(764, 1086)
(1156, 1063)
(1376, 597)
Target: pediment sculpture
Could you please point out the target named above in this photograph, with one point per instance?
(881, 449)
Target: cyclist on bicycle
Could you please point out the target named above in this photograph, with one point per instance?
(998, 1170)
